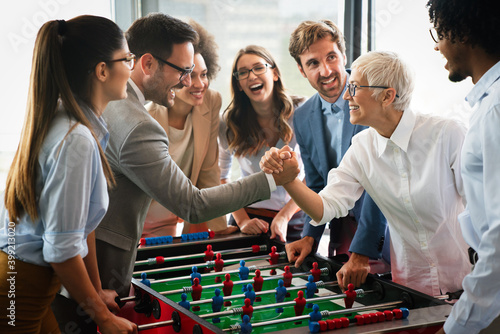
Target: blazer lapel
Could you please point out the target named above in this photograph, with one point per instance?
(201, 136)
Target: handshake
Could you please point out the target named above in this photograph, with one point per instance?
(281, 163)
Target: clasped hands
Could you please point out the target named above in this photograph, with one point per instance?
(281, 163)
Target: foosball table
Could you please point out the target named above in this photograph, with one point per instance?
(244, 284)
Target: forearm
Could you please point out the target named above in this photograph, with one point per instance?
(309, 201)
(74, 276)
(289, 210)
(90, 262)
(240, 216)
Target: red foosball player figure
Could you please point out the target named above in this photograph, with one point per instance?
(274, 257)
(209, 256)
(247, 309)
(350, 296)
(227, 288)
(316, 272)
(300, 304)
(196, 293)
(258, 281)
(287, 279)
(219, 265)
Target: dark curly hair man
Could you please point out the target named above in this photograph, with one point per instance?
(467, 33)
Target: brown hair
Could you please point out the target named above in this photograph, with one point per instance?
(78, 45)
(309, 32)
(244, 134)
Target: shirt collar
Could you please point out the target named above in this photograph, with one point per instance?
(136, 89)
(480, 88)
(401, 135)
(339, 104)
(98, 124)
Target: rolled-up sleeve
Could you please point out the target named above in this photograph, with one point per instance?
(66, 196)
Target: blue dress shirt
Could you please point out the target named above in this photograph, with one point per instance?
(333, 122)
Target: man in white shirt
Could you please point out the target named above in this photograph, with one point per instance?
(467, 33)
(410, 165)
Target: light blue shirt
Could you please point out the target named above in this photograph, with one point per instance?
(333, 120)
(479, 305)
(71, 192)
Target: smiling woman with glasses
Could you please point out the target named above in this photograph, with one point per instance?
(409, 163)
(260, 116)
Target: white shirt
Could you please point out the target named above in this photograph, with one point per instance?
(479, 305)
(414, 178)
(181, 146)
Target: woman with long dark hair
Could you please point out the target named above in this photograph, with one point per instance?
(56, 190)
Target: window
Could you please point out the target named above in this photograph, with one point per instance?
(396, 25)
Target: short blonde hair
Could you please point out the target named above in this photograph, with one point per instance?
(386, 68)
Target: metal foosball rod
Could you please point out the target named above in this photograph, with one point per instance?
(161, 259)
(155, 325)
(325, 314)
(221, 273)
(188, 289)
(319, 284)
(324, 271)
(239, 310)
(206, 264)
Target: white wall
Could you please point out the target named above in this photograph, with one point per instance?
(19, 25)
(403, 26)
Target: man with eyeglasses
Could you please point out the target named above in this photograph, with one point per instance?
(324, 134)
(467, 33)
(138, 152)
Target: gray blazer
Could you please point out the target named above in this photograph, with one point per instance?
(143, 169)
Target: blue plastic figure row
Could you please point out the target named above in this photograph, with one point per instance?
(195, 236)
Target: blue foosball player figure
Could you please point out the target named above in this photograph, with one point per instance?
(217, 302)
(195, 274)
(184, 302)
(144, 280)
(314, 317)
(310, 289)
(244, 271)
(280, 295)
(246, 326)
(250, 294)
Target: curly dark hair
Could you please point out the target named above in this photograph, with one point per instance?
(475, 21)
(207, 47)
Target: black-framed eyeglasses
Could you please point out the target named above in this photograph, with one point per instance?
(184, 71)
(352, 88)
(128, 60)
(436, 37)
(257, 70)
